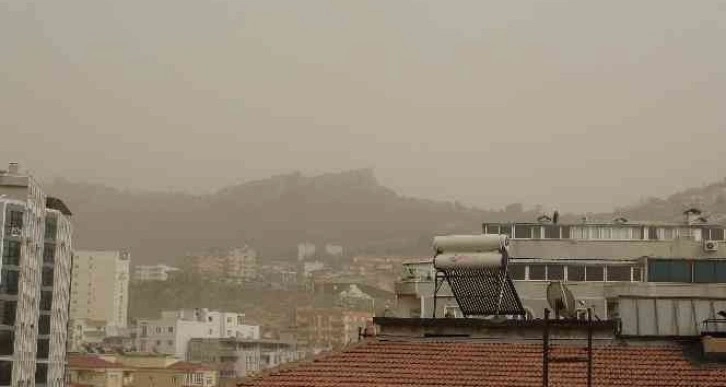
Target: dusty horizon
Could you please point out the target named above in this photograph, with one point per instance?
(581, 106)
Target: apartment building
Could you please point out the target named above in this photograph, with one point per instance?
(332, 327)
(100, 288)
(54, 295)
(153, 272)
(35, 244)
(238, 358)
(621, 269)
(237, 265)
(171, 333)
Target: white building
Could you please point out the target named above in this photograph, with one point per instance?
(171, 333)
(33, 282)
(100, 287)
(153, 272)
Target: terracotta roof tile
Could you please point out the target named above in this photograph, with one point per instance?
(89, 361)
(459, 363)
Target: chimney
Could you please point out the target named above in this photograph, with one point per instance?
(13, 168)
(692, 214)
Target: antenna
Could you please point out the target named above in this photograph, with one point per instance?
(561, 299)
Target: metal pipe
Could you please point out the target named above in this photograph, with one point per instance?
(589, 347)
(546, 349)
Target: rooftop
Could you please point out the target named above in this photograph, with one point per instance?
(455, 362)
(479, 352)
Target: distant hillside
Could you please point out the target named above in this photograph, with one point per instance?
(273, 215)
(710, 198)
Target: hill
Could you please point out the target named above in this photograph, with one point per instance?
(349, 208)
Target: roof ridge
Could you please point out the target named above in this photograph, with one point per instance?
(284, 367)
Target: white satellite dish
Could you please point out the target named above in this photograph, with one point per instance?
(561, 299)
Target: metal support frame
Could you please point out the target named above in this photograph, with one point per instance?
(439, 279)
(546, 349)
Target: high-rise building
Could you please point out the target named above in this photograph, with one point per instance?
(55, 294)
(23, 273)
(100, 287)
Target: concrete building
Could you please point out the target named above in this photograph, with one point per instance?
(237, 358)
(100, 287)
(55, 295)
(237, 265)
(329, 327)
(23, 271)
(622, 269)
(170, 334)
(153, 272)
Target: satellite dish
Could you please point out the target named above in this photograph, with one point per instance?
(560, 299)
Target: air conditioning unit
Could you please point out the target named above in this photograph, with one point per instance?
(710, 246)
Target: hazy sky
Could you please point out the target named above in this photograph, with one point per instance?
(577, 104)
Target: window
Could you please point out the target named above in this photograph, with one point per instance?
(49, 253)
(537, 272)
(44, 325)
(47, 276)
(575, 273)
(516, 272)
(555, 272)
(46, 300)
(716, 234)
(565, 232)
(16, 219)
(6, 371)
(51, 228)
(7, 341)
(42, 349)
(9, 281)
(506, 230)
(594, 273)
(637, 274)
(671, 270)
(579, 232)
(493, 229)
(11, 253)
(618, 273)
(552, 232)
(652, 233)
(709, 271)
(7, 312)
(666, 233)
(171, 329)
(523, 231)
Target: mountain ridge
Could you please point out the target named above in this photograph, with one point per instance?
(273, 215)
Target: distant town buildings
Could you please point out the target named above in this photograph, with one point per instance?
(237, 358)
(153, 272)
(100, 288)
(170, 334)
(332, 327)
(138, 370)
(305, 250)
(36, 246)
(238, 265)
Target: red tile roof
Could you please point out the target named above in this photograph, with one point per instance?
(469, 363)
(90, 361)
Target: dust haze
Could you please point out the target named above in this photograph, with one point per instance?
(583, 105)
